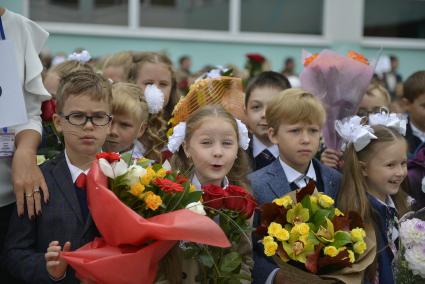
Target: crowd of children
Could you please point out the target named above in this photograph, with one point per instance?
(125, 107)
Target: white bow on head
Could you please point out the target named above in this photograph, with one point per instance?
(154, 98)
(352, 131)
(83, 56)
(394, 120)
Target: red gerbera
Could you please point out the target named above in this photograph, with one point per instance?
(168, 185)
(109, 156)
(181, 179)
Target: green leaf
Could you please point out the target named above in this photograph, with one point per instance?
(320, 217)
(341, 238)
(306, 202)
(230, 262)
(206, 260)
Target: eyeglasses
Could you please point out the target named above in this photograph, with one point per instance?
(365, 112)
(80, 119)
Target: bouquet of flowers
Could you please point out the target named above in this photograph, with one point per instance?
(231, 207)
(304, 232)
(140, 214)
(340, 82)
(409, 264)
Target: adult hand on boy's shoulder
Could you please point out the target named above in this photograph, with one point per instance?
(55, 265)
(331, 158)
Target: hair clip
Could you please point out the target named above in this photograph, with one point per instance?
(397, 121)
(352, 131)
(154, 98)
(83, 56)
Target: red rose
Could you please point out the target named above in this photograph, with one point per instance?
(168, 185)
(213, 196)
(109, 156)
(181, 179)
(48, 108)
(240, 200)
(256, 57)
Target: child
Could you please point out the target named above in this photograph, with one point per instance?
(32, 247)
(414, 100)
(211, 155)
(371, 181)
(295, 119)
(117, 66)
(258, 93)
(151, 68)
(375, 100)
(130, 113)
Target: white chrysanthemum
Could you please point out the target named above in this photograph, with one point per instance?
(154, 98)
(412, 232)
(243, 135)
(415, 258)
(134, 174)
(176, 140)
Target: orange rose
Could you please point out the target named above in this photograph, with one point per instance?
(358, 57)
(310, 59)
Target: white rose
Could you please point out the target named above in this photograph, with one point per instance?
(196, 207)
(113, 170)
(415, 258)
(134, 174)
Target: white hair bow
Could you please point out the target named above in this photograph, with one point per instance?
(154, 98)
(179, 133)
(352, 131)
(394, 120)
(83, 56)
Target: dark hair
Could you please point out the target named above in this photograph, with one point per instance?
(414, 86)
(183, 58)
(269, 79)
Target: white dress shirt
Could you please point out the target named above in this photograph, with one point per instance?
(258, 147)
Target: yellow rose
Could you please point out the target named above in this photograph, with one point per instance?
(274, 228)
(331, 251)
(268, 239)
(325, 201)
(147, 178)
(137, 189)
(338, 212)
(284, 201)
(313, 199)
(351, 256)
(270, 248)
(152, 200)
(357, 234)
(301, 228)
(282, 235)
(360, 247)
(161, 173)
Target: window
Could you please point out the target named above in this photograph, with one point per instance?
(282, 16)
(185, 14)
(108, 12)
(395, 18)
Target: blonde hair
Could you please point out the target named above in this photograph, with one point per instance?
(122, 59)
(139, 59)
(293, 106)
(83, 82)
(127, 98)
(352, 194)
(238, 174)
(66, 67)
(381, 90)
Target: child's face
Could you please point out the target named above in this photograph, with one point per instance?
(124, 130)
(51, 83)
(372, 104)
(387, 169)
(213, 149)
(256, 111)
(115, 73)
(416, 110)
(85, 140)
(298, 143)
(158, 74)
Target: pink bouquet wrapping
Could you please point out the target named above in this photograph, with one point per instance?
(340, 82)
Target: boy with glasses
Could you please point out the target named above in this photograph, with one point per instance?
(32, 247)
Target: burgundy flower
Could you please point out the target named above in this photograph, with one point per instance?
(256, 57)
(48, 108)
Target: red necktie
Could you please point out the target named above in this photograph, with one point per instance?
(81, 180)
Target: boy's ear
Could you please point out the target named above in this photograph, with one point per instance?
(57, 122)
(363, 168)
(272, 135)
(405, 103)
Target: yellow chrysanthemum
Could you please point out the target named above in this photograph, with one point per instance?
(152, 200)
(325, 201)
(284, 201)
(274, 228)
(161, 173)
(137, 189)
(331, 251)
(359, 247)
(338, 212)
(351, 256)
(147, 178)
(357, 234)
(301, 228)
(270, 248)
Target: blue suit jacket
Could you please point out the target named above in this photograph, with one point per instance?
(269, 183)
(27, 240)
